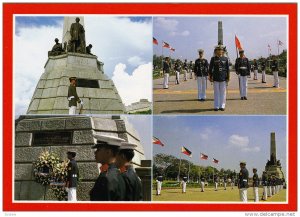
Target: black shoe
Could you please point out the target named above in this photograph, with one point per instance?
(274, 86)
(242, 98)
(222, 109)
(203, 100)
(216, 109)
(245, 98)
(263, 82)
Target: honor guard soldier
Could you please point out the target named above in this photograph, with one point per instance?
(177, 68)
(264, 180)
(185, 69)
(202, 180)
(159, 180)
(255, 69)
(183, 183)
(201, 71)
(132, 181)
(263, 71)
(273, 184)
(166, 71)
(110, 185)
(255, 180)
(232, 182)
(219, 74)
(72, 176)
(216, 180)
(72, 96)
(242, 68)
(191, 69)
(225, 182)
(243, 181)
(269, 186)
(274, 69)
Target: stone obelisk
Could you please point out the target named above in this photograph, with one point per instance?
(220, 33)
(94, 88)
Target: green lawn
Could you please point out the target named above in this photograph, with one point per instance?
(195, 194)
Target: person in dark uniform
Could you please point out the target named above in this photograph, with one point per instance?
(159, 180)
(183, 183)
(166, 71)
(232, 182)
(131, 179)
(255, 185)
(191, 69)
(255, 69)
(273, 184)
(177, 68)
(202, 180)
(269, 186)
(72, 176)
(201, 71)
(243, 181)
(72, 96)
(274, 69)
(263, 70)
(185, 69)
(216, 181)
(264, 180)
(219, 74)
(225, 182)
(242, 68)
(110, 185)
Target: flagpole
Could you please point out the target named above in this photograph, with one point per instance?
(178, 178)
(278, 47)
(189, 173)
(162, 55)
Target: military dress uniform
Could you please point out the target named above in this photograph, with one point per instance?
(219, 73)
(225, 182)
(166, 71)
(159, 180)
(177, 68)
(232, 182)
(255, 187)
(264, 180)
(72, 98)
(255, 69)
(201, 71)
(72, 179)
(242, 68)
(183, 184)
(263, 71)
(109, 186)
(191, 69)
(185, 70)
(243, 184)
(133, 185)
(216, 180)
(273, 184)
(269, 186)
(202, 179)
(274, 68)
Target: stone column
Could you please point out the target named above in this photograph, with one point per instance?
(144, 172)
(220, 32)
(273, 147)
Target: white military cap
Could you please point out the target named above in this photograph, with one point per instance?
(127, 145)
(107, 140)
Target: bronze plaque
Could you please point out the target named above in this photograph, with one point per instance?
(52, 138)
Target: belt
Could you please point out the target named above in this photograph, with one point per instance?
(74, 175)
(245, 180)
(243, 67)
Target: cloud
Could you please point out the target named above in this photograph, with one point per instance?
(206, 134)
(135, 86)
(166, 23)
(184, 33)
(241, 143)
(135, 61)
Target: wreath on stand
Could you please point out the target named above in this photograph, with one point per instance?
(49, 171)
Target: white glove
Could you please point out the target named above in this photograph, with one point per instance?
(81, 102)
(71, 97)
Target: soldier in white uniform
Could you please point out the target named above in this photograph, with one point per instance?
(183, 184)
(225, 182)
(191, 69)
(265, 185)
(216, 180)
(242, 68)
(243, 181)
(159, 180)
(185, 70)
(177, 68)
(274, 68)
(202, 180)
(201, 71)
(263, 71)
(166, 71)
(255, 185)
(255, 68)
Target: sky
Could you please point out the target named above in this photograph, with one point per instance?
(124, 44)
(188, 34)
(229, 139)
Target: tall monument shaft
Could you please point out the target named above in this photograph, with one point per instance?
(220, 33)
(273, 146)
(67, 25)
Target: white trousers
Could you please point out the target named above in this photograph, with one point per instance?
(243, 194)
(273, 190)
(255, 192)
(166, 80)
(243, 86)
(177, 77)
(225, 185)
(72, 194)
(263, 76)
(72, 110)
(191, 74)
(270, 190)
(201, 87)
(276, 79)
(232, 185)
(216, 186)
(219, 94)
(265, 192)
(183, 187)
(158, 186)
(202, 186)
(255, 74)
(185, 74)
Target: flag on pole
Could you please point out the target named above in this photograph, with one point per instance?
(203, 156)
(238, 44)
(157, 141)
(172, 49)
(280, 43)
(165, 44)
(155, 41)
(215, 161)
(185, 151)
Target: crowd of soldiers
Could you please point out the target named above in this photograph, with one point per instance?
(270, 183)
(218, 73)
(117, 180)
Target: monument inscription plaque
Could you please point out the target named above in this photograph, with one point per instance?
(52, 138)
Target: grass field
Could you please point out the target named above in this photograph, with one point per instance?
(229, 195)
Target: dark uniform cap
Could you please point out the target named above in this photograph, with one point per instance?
(241, 51)
(200, 51)
(255, 169)
(72, 78)
(73, 153)
(106, 140)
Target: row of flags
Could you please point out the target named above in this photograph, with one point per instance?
(164, 44)
(184, 150)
